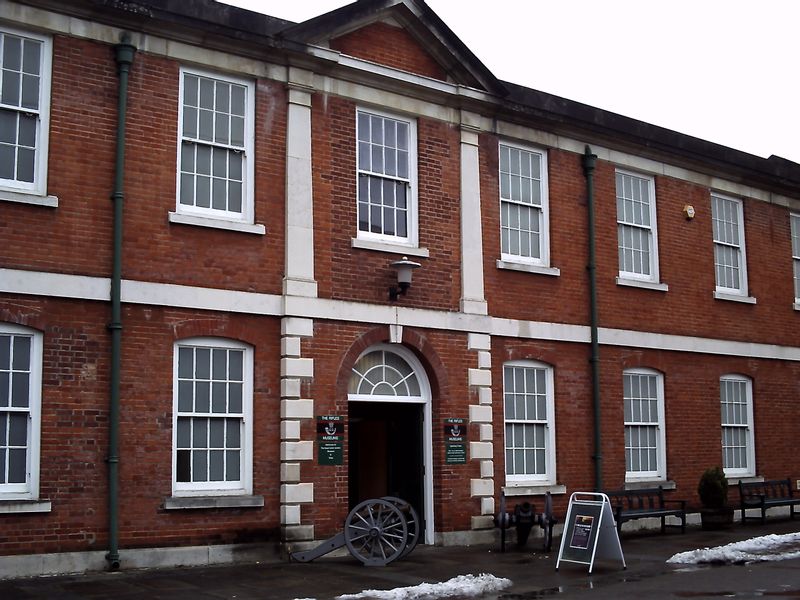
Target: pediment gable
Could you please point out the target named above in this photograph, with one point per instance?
(400, 34)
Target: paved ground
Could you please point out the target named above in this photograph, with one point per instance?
(532, 571)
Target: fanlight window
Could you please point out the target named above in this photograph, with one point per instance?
(382, 373)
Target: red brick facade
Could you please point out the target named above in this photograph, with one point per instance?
(75, 239)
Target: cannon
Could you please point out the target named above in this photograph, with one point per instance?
(376, 532)
(523, 518)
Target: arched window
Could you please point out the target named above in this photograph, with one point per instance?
(736, 408)
(530, 441)
(645, 439)
(20, 409)
(383, 373)
(212, 424)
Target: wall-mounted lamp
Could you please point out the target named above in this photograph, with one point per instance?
(404, 268)
(688, 212)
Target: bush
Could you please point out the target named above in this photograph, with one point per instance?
(713, 488)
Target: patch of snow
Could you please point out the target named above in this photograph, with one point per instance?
(765, 548)
(461, 586)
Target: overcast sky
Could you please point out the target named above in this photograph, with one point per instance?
(722, 70)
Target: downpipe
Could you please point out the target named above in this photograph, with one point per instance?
(589, 162)
(123, 55)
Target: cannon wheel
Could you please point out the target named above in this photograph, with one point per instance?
(412, 521)
(376, 532)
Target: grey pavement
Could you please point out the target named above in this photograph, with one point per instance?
(531, 570)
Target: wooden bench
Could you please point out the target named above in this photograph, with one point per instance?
(767, 494)
(647, 502)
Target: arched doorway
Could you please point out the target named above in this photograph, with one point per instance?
(389, 413)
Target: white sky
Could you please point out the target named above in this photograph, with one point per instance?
(722, 70)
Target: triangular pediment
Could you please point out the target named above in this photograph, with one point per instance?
(400, 34)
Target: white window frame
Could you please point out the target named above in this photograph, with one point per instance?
(660, 473)
(651, 229)
(23, 191)
(30, 489)
(245, 485)
(720, 290)
(794, 220)
(750, 469)
(543, 208)
(198, 215)
(549, 476)
(412, 225)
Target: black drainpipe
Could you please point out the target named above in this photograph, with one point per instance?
(123, 55)
(589, 161)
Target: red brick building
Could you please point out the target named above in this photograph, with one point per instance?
(200, 209)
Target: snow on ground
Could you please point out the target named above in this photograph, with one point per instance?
(767, 547)
(461, 586)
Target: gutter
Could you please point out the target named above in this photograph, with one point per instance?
(589, 161)
(123, 56)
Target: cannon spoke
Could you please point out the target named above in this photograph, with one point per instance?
(376, 532)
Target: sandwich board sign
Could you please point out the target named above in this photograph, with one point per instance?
(589, 531)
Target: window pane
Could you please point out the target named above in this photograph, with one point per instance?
(218, 398)
(30, 92)
(233, 471)
(217, 437)
(202, 400)
(8, 127)
(199, 466)
(233, 433)
(18, 429)
(20, 390)
(17, 465)
(184, 437)
(25, 164)
(216, 465)
(203, 364)
(7, 160)
(27, 131)
(11, 85)
(185, 396)
(182, 468)
(22, 353)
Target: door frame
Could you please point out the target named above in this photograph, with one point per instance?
(425, 399)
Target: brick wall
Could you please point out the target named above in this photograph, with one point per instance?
(389, 45)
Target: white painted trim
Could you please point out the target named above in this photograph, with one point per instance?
(39, 185)
(724, 292)
(654, 276)
(544, 232)
(38, 283)
(29, 490)
(550, 476)
(247, 214)
(733, 297)
(209, 221)
(412, 223)
(389, 247)
(524, 267)
(27, 198)
(750, 470)
(220, 488)
(645, 285)
(425, 398)
(473, 296)
(660, 474)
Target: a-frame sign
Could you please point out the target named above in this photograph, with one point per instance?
(589, 531)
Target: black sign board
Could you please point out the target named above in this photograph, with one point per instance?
(455, 440)
(330, 436)
(589, 531)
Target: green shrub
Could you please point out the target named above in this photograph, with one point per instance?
(713, 488)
